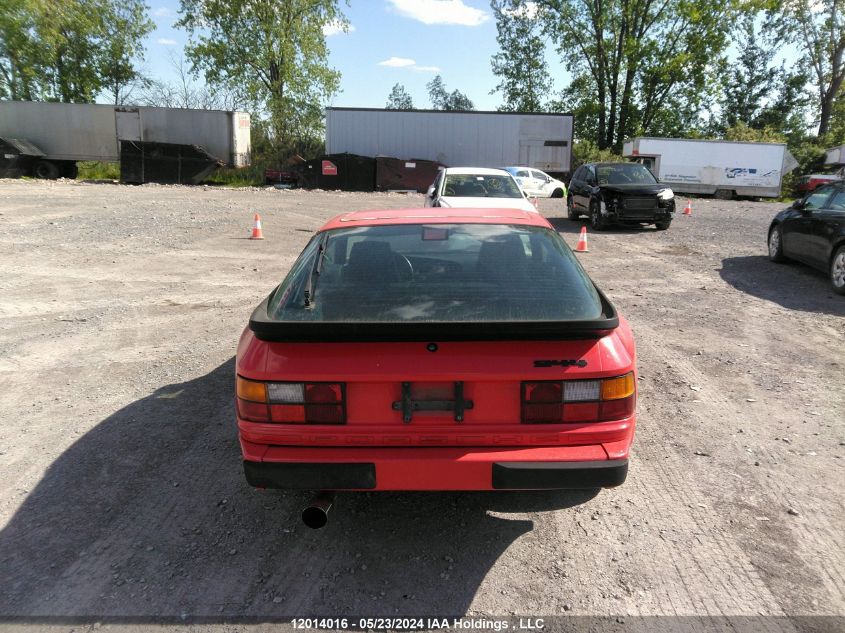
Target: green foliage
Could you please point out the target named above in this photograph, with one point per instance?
(97, 170)
(273, 53)
(19, 63)
(836, 130)
(520, 63)
(760, 95)
(124, 30)
(752, 80)
(70, 50)
(442, 99)
(586, 151)
(646, 65)
(817, 28)
(399, 99)
(742, 132)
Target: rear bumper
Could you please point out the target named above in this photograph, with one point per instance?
(441, 468)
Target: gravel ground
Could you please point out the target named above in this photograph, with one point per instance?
(124, 499)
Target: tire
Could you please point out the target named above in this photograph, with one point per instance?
(724, 194)
(557, 193)
(837, 271)
(597, 223)
(663, 225)
(46, 170)
(571, 213)
(775, 243)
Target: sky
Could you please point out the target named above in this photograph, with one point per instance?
(388, 42)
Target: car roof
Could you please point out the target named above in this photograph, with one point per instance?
(612, 164)
(481, 171)
(435, 215)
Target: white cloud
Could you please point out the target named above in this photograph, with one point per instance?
(163, 12)
(164, 41)
(335, 26)
(410, 64)
(397, 62)
(440, 12)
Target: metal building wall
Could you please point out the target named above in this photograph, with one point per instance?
(480, 139)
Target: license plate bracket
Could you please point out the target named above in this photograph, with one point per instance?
(407, 405)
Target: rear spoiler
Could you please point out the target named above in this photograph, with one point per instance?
(268, 329)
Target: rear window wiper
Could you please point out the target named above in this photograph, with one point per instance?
(311, 284)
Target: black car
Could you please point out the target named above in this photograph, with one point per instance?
(812, 231)
(619, 193)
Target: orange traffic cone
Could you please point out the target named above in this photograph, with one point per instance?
(257, 233)
(581, 246)
(688, 208)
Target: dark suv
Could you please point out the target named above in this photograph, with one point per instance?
(619, 193)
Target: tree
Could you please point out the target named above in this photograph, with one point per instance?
(752, 80)
(816, 27)
(520, 63)
(399, 99)
(274, 53)
(185, 92)
(442, 99)
(761, 96)
(124, 32)
(70, 50)
(19, 65)
(647, 65)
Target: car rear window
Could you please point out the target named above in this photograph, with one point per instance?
(436, 273)
(628, 174)
(480, 186)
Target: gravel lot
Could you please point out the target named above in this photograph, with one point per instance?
(123, 495)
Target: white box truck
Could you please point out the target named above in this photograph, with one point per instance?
(165, 144)
(835, 156)
(721, 168)
(455, 138)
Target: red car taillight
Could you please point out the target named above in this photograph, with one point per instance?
(556, 401)
(291, 402)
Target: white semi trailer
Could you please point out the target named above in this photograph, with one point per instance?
(46, 139)
(721, 168)
(454, 138)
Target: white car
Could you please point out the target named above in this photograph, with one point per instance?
(537, 183)
(473, 187)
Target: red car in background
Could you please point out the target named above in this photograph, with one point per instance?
(435, 349)
(806, 184)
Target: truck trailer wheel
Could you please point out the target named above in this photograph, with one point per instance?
(46, 170)
(724, 194)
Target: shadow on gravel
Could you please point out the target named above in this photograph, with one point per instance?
(793, 286)
(565, 225)
(147, 518)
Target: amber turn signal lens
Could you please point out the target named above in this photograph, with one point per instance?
(616, 388)
(252, 390)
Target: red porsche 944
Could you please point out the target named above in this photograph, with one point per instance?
(436, 349)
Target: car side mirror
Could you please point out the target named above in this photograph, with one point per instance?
(524, 193)
(430, 192)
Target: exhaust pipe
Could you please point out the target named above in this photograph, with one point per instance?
(316, 513)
